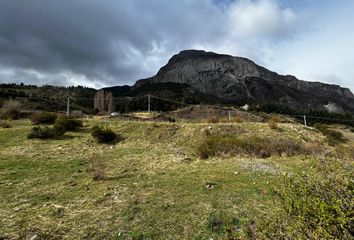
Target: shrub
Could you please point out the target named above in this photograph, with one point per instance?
(104, 135)
(43, 118)
(215, 145)
(216, 222)
(213, 120)
(11, 109)
(273, 122)
(333, 137)
(97, 168)
(314, 205)
(65, 124)
(5, 124)
(44, 133)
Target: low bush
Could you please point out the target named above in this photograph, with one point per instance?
(215, 145)
(60, 127)
(213, 120)
(333, 137)
(5, 124)
(43, 118)
(104, 135)
(97, 169)
(314, 205)
(273, 122)
(67, 124)
(44, 133)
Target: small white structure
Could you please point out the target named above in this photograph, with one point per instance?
(114, 114)
(246, 107)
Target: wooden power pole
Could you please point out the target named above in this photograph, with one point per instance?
(68, 106)
(149, 103)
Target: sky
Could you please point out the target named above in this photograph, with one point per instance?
(99, 43)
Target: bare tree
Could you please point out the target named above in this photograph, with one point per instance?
(11, 109)
(103, 101)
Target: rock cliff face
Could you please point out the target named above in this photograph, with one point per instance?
(239, 80)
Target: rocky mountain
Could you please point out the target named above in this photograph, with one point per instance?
(239, 80)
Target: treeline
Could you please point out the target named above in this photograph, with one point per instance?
(48, 97)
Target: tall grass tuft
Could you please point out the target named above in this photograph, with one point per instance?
(215, 145)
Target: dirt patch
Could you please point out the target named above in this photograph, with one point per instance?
(199, 112)
(154, 118)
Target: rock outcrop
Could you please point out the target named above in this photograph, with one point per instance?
(239, 80)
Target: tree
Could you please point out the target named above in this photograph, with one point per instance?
(104, 102)
(11, 109)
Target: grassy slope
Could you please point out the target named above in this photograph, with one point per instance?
(156, 184)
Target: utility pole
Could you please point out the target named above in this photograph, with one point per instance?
(68, 107)
(149, 103)
(305, 121)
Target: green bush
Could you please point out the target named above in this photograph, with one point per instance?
(256, 146)
(333, 137)
(60, 127)
(314, 205)
(104, 135)
(43, 118)
(67, 124)
(44, 133)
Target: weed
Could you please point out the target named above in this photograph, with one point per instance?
(97, 169)
(216, 223)
(5, 124)
(137, 236)
(273, 122)
(213, 120)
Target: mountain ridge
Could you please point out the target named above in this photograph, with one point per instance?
(240, 80)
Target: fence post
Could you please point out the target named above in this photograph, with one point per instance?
(149, 103)
(305, 121)
(68, 107)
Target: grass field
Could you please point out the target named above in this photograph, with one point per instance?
(156, 185)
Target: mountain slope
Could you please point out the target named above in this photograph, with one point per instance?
(239, 80)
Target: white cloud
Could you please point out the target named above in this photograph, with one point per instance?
(326, 53)
(262, 18)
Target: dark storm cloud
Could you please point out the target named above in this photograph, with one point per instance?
(88, 37)
(111, 42)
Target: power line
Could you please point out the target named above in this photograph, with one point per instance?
(168, 100)
(155, 97)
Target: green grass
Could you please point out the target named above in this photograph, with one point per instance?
(156, 186)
